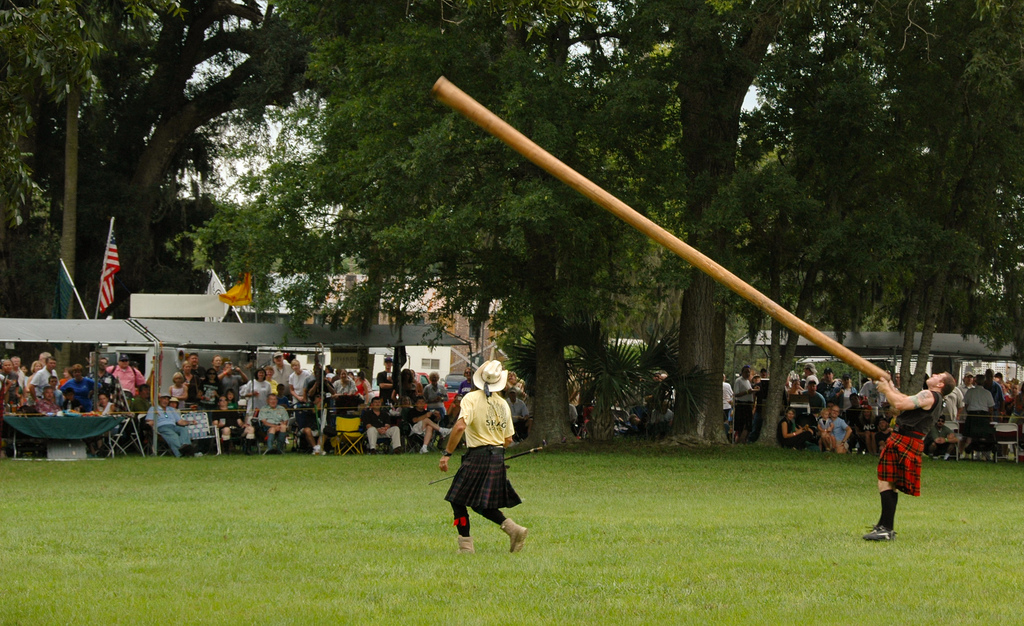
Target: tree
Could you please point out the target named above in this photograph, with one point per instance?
(424, 203)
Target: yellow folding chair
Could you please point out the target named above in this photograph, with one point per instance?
(349, 439)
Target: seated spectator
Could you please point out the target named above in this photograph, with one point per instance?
(841, 431)
(520, 414)
(864, 425)
(81, 386)
(826, 440)
(789, 435)
(103, 405)
(436, 394)
(71, 403)
(171, 426)
(141, 402)
(275, 419)
(231, 423)
(41, 378)
(47, 402)
(454, 410)
(346, 394)
(940, 440)
(423, 423)
(284, 396)
(377, 424)
(883, 428)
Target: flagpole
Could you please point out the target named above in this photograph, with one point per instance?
(103, 268)
(74, 288)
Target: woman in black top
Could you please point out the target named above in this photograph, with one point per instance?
(789, 436)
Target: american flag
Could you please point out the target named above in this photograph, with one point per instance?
(111, 266)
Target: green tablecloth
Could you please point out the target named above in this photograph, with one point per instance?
(63, 427)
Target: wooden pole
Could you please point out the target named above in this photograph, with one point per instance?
(447, 93)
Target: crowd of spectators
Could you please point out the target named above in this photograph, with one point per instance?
(834, 415)
(248, 405)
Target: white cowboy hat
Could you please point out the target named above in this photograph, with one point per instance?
(491, 376)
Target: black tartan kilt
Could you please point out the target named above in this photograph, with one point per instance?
(481, 483)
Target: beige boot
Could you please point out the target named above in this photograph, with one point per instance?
(466, 545)
(516, 535)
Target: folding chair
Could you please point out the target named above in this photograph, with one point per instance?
(349, 437)
(1007, 435)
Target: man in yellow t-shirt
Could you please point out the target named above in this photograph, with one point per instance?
(480, 483)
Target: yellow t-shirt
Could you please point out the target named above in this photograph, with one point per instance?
(488, 420)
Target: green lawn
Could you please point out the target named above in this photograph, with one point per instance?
(617, 535)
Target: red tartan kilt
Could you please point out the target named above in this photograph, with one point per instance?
(900, 463)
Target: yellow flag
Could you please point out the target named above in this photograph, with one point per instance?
(240, 294)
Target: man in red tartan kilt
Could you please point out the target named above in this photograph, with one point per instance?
(480, 483)
(899, 466)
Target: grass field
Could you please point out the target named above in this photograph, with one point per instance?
(617, 535)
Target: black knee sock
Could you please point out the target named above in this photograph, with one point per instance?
(494, 515)
(461, 519)
(889, 500)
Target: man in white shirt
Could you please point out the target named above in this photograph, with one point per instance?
(281, 372)
(743, 394)
(41, 379)
(726, 404)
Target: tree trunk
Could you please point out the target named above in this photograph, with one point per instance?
(696, 344)
(909, 330)
(773, 408)
(551, 397)
(929, 317)
(69, 232)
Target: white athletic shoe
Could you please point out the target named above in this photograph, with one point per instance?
(316, 450)
(424, 449)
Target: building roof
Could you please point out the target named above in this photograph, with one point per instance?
(889, 344)
(212, 334)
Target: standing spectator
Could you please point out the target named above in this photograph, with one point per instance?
(953, 404)
(362, 387)
(743, 394)
(126, 374)
(994, 383)
(256, 391)
(171, 426)
(410, 386)
(41, 378)
(346, 394)
(81, 386)
(760, 390)
(810, 373)
(436, 393)
(467, 385)
(521, 419)
(178, 389)
(209, 391)
(727, 405)
(280, 372)
(193, 381)
(386, 382)
(829, 386)
(231, 377)
(979, 403)
(297, 382)
(844, 393)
